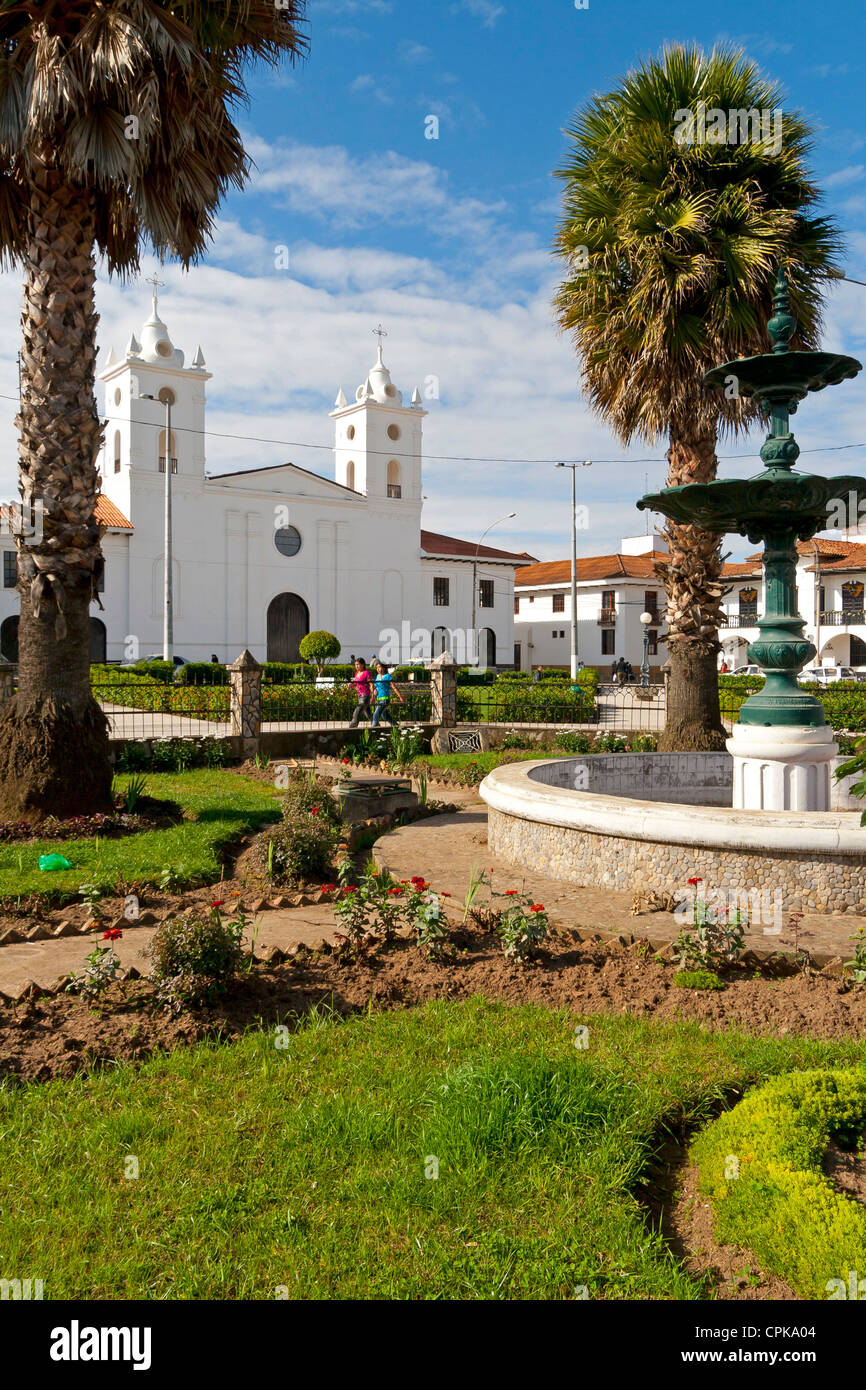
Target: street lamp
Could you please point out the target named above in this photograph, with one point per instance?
(165, 396)
(646, 619)
(475, 574)
(586, 464)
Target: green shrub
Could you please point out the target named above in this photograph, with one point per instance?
(202, 673)
(154, 670)
(698, 979)
(194, 958)
(297, 851)
(307, 795)
(572, 743)
(761, 1166)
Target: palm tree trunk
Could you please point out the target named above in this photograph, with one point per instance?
(53, 735)
(694, 593)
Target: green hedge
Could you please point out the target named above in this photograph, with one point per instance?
(519, 702)
(202, 673)
(761, 1166)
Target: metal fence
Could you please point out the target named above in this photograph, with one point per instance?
(141, 708)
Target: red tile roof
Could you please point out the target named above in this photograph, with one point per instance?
(432, 543)
(109, 515)
(593, 567)
(744, 570)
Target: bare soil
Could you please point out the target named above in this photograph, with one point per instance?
(57, 1035)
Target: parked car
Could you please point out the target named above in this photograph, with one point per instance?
(829, 675)
(751, 670)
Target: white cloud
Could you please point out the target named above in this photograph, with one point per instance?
(410, 52)
(852, 174)
(485, 10)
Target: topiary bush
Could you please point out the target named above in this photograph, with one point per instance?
(319, 647)
(761, 1166)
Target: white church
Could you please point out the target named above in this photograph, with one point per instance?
(264, 555)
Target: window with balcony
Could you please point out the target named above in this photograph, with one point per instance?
(852, 601)
(608, 606)
(559, 603)
(748, 607)
(394, 485)
(440, 593)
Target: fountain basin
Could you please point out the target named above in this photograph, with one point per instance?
(579, 820)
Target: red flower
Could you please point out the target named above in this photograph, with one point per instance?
(537, 907)
(445, 895)
(693, 881)
(112, 934)
(314, 810)
(345, 761)
(510, 892)
(217, 902)
(350, 889)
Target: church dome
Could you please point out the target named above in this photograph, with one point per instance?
(379, 386)
(156, 344)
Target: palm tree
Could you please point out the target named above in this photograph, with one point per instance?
(671, 244)
(115, 131)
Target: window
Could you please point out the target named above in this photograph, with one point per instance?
(162, 452)
(440, 593)
(651, 601)
(653, 643)
(532, 598)
(100, 583)
(117, 451)
(350, 432)
(393, 431)
(485, 593)
(516, 603)
(858, 651)
(350, 475)
(852, 597)
(394, 488)
(608, 606)
(559, 603)
(554, 633)
(608, 639)
(287, 539)
(10, 569)
(748, 605)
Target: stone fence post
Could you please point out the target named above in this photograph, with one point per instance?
(245, 687)
(443, 698)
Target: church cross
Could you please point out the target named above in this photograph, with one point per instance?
(157, 284)
(380, 334)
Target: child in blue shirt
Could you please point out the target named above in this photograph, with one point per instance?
(385, 689)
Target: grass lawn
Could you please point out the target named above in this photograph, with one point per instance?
(224, 806)
(305, 1167)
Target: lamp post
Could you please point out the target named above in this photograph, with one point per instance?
(165, 397)
(586, 464)
(646, 619)
(475, 574)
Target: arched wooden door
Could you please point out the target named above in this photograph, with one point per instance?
(288, 622)
(97, 641)
(487, 647)
(9, 639)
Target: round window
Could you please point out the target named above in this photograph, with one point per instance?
(350, 432)
(390, 390)
(164, 349)
(118, 396)
(287, 540)
(393, 431)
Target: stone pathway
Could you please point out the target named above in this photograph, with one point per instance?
(446, 849)
(45, 962)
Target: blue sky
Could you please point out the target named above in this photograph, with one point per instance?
(447, 243)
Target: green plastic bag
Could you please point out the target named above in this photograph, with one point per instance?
(47, 862)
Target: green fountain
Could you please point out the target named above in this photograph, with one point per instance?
(782, 747)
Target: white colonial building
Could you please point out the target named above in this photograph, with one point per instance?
(830, 592)
(612, 592)
(263, 555)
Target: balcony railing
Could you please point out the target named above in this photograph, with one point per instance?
(607, 617)
(395, 490)
(748, 618)
(162, 464)
(843, 617)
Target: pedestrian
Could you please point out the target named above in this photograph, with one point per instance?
(215, 661)
(537, 675)
(614, 672)
(629, 673)
(385, 690)
(364, 690)
(724, 668)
